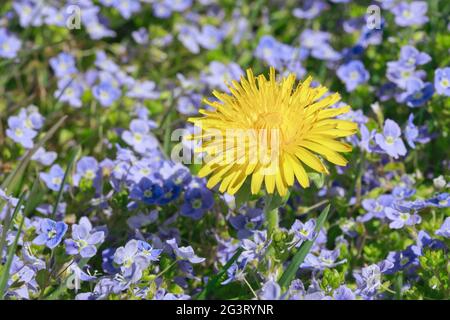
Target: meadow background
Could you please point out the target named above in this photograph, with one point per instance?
(91, 91)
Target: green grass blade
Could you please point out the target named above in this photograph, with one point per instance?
(5, 271)
(213, 282)
(11, 182)
(9, 222)
(300, 256)
(63, 183)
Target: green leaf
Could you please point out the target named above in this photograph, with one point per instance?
(300, 256)
(214, 280)
(42, 277)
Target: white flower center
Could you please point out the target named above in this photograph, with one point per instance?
(390, 140)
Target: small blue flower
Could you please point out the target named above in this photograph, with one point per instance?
(210, 37)
(70, 91)
(9, 45)
(442, 200)
(376, 208)
(424, 241)
(303, 231)
(85, 240)
(106, 93)
(139, 136)
(148, 251)
(353, 74)
(343, 293)
(399, 219)
(444, 230)
(144, 90)
(368, 280)
(246, 223)
(366, 142)
(63, 65)
(131, 261)
(178, 5)
(50, 233)
(53, 178)
(410, 14)
(390, 141)
(197, 200)
(325, 259)
(171, 191)
(188, 36)
(148, 191)
(220, 75)
(184, 253)
(140, 36)
(442, 81)
(418, 93)
(235, 272)
(270, 291)
(401, 75)
(411, 57)
(127, 7)
(189, 105)
(45, 158)
(255, 248)
(30, 13)
(87, 169)
(414, 134)
(20, 133)
(310, 9)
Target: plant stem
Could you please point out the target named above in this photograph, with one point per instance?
(272, 220)
(271, 213)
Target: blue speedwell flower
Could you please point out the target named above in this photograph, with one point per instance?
(197, 200)
(418, 93)
(184, 253)
(353, 74)
(390, 140)
(303, 231)
(53, 178)
(414, 134)
(20, 133)
(410, 14)
(50, 233)
(85, 240)
(147, 191)
(442, 81)
(63, 65)
(444, 230)
(44, 157)
(131, 262)
(106, 93)
(9, 45)
(87, 169)
(410, 57)
(400, 218)
(139, 136)
(246, 223)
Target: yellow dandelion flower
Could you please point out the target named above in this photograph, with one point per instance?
(267, 131)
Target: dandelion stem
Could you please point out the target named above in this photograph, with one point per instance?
(272, 203)
(272, 220)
